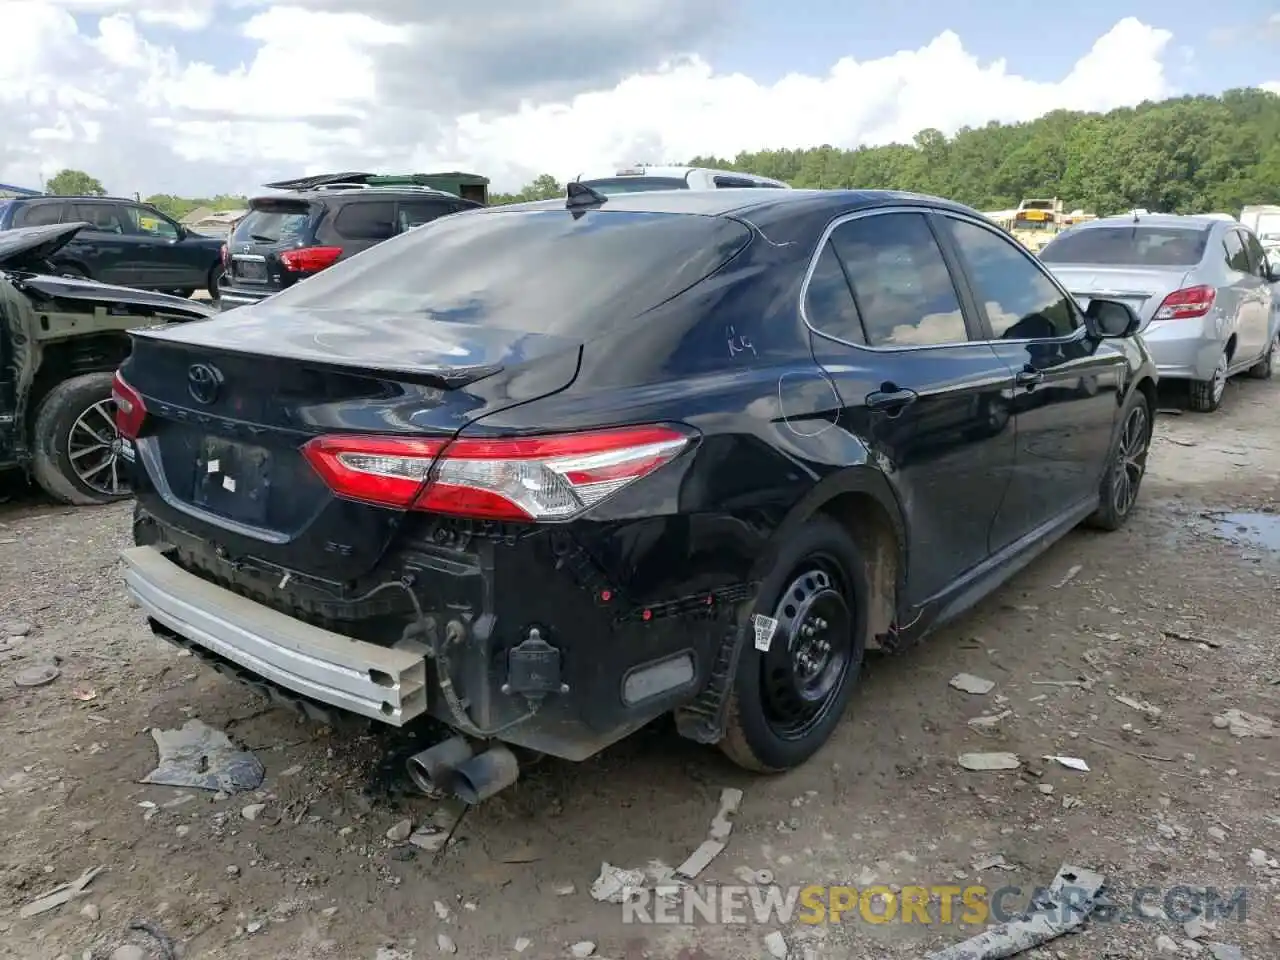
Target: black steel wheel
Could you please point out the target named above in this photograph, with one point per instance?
(811, 652)
(789, 694)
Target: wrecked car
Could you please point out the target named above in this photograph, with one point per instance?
(549, 471)
(61, 339)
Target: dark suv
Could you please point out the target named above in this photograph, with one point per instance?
(546, 472)
(287, 238)
(126, 243)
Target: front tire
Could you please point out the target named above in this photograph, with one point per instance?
(787, 701)
(76, 447)
(1126, 466)
(1206, 395)
(1262, 369)
(215, 278)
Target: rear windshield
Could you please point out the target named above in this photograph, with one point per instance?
(274, 223)
(535, 271)
(1129, 246)
(611, 185)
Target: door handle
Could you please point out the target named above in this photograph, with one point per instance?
(890, 398)
(1028, 377)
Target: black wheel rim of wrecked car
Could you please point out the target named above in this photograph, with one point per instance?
(1131, 461)
(809, 658)
(93, 447)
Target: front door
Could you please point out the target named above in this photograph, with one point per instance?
(930, 403)
(1254, 333)
(1068, 385)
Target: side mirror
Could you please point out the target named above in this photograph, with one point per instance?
(1109, 319)
(1271, 267)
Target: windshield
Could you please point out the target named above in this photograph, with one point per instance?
(1134, 246)
(274, 225)
(612, 185)
(536, 271)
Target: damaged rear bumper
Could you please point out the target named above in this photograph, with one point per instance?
(381, 683)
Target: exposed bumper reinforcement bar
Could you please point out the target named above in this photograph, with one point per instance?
(372, 681)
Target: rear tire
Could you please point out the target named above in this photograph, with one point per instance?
(215, 278)
(76, 448)
(1126, 466)
(786, 702)
(1206, 395)
(1262, 369)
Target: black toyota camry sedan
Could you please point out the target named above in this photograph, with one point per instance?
(547, 472)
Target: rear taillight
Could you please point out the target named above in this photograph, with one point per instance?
(309, 259)
(508, 478)
(130, 410)
(1187, 303)
(225, 254)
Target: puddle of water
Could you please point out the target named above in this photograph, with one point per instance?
(1250, 529)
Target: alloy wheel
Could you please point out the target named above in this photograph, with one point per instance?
(1131, 459)
(811, 653)
(93, 447)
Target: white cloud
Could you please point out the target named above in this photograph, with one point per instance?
(340, 84)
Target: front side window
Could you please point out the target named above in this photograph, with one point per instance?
(149, 223)
(828, 301)
(414, 213)
(904, 290)
(1020, 301)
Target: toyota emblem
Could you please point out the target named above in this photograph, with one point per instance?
(204, 381)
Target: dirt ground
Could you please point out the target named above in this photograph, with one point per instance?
(1177, 614)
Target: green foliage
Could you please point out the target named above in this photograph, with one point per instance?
(179, 207)
(1187, 155)
(74, 183)
(545, 187)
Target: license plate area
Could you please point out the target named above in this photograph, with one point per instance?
(233, 480)
(249, 269)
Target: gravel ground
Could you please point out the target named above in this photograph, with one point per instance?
(1176, 615)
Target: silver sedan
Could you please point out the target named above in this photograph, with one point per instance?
(1202, 286)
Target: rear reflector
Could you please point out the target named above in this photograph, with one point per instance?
(130, 410)
(507, 478)
(309, 259)
(1187, 303)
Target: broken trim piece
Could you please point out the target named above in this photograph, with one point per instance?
(381, 683)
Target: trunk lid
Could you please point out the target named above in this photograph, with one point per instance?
(1142, 288)
(231, 401)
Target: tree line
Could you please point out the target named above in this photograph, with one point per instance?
(1196, 154)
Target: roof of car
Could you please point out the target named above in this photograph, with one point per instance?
(81, 199)
(715, 203)
(1188, 222)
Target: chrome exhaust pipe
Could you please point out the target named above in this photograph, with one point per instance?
(433, 770)
(485, 774)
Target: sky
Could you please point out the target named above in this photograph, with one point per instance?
(200, 97)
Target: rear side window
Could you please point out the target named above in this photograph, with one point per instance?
(1134, 246)
(537, 271)
(286, 222)
(42, 214)
(903, 288)
(1237, 256)
(1257, 256)
(612, 185)
(828, 302)
(373, 220)
(414, 213)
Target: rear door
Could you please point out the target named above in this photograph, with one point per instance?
(1066, 384)
(903, 348)
(1254, 335)
(103, 247)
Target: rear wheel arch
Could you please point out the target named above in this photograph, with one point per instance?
(864, 504)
